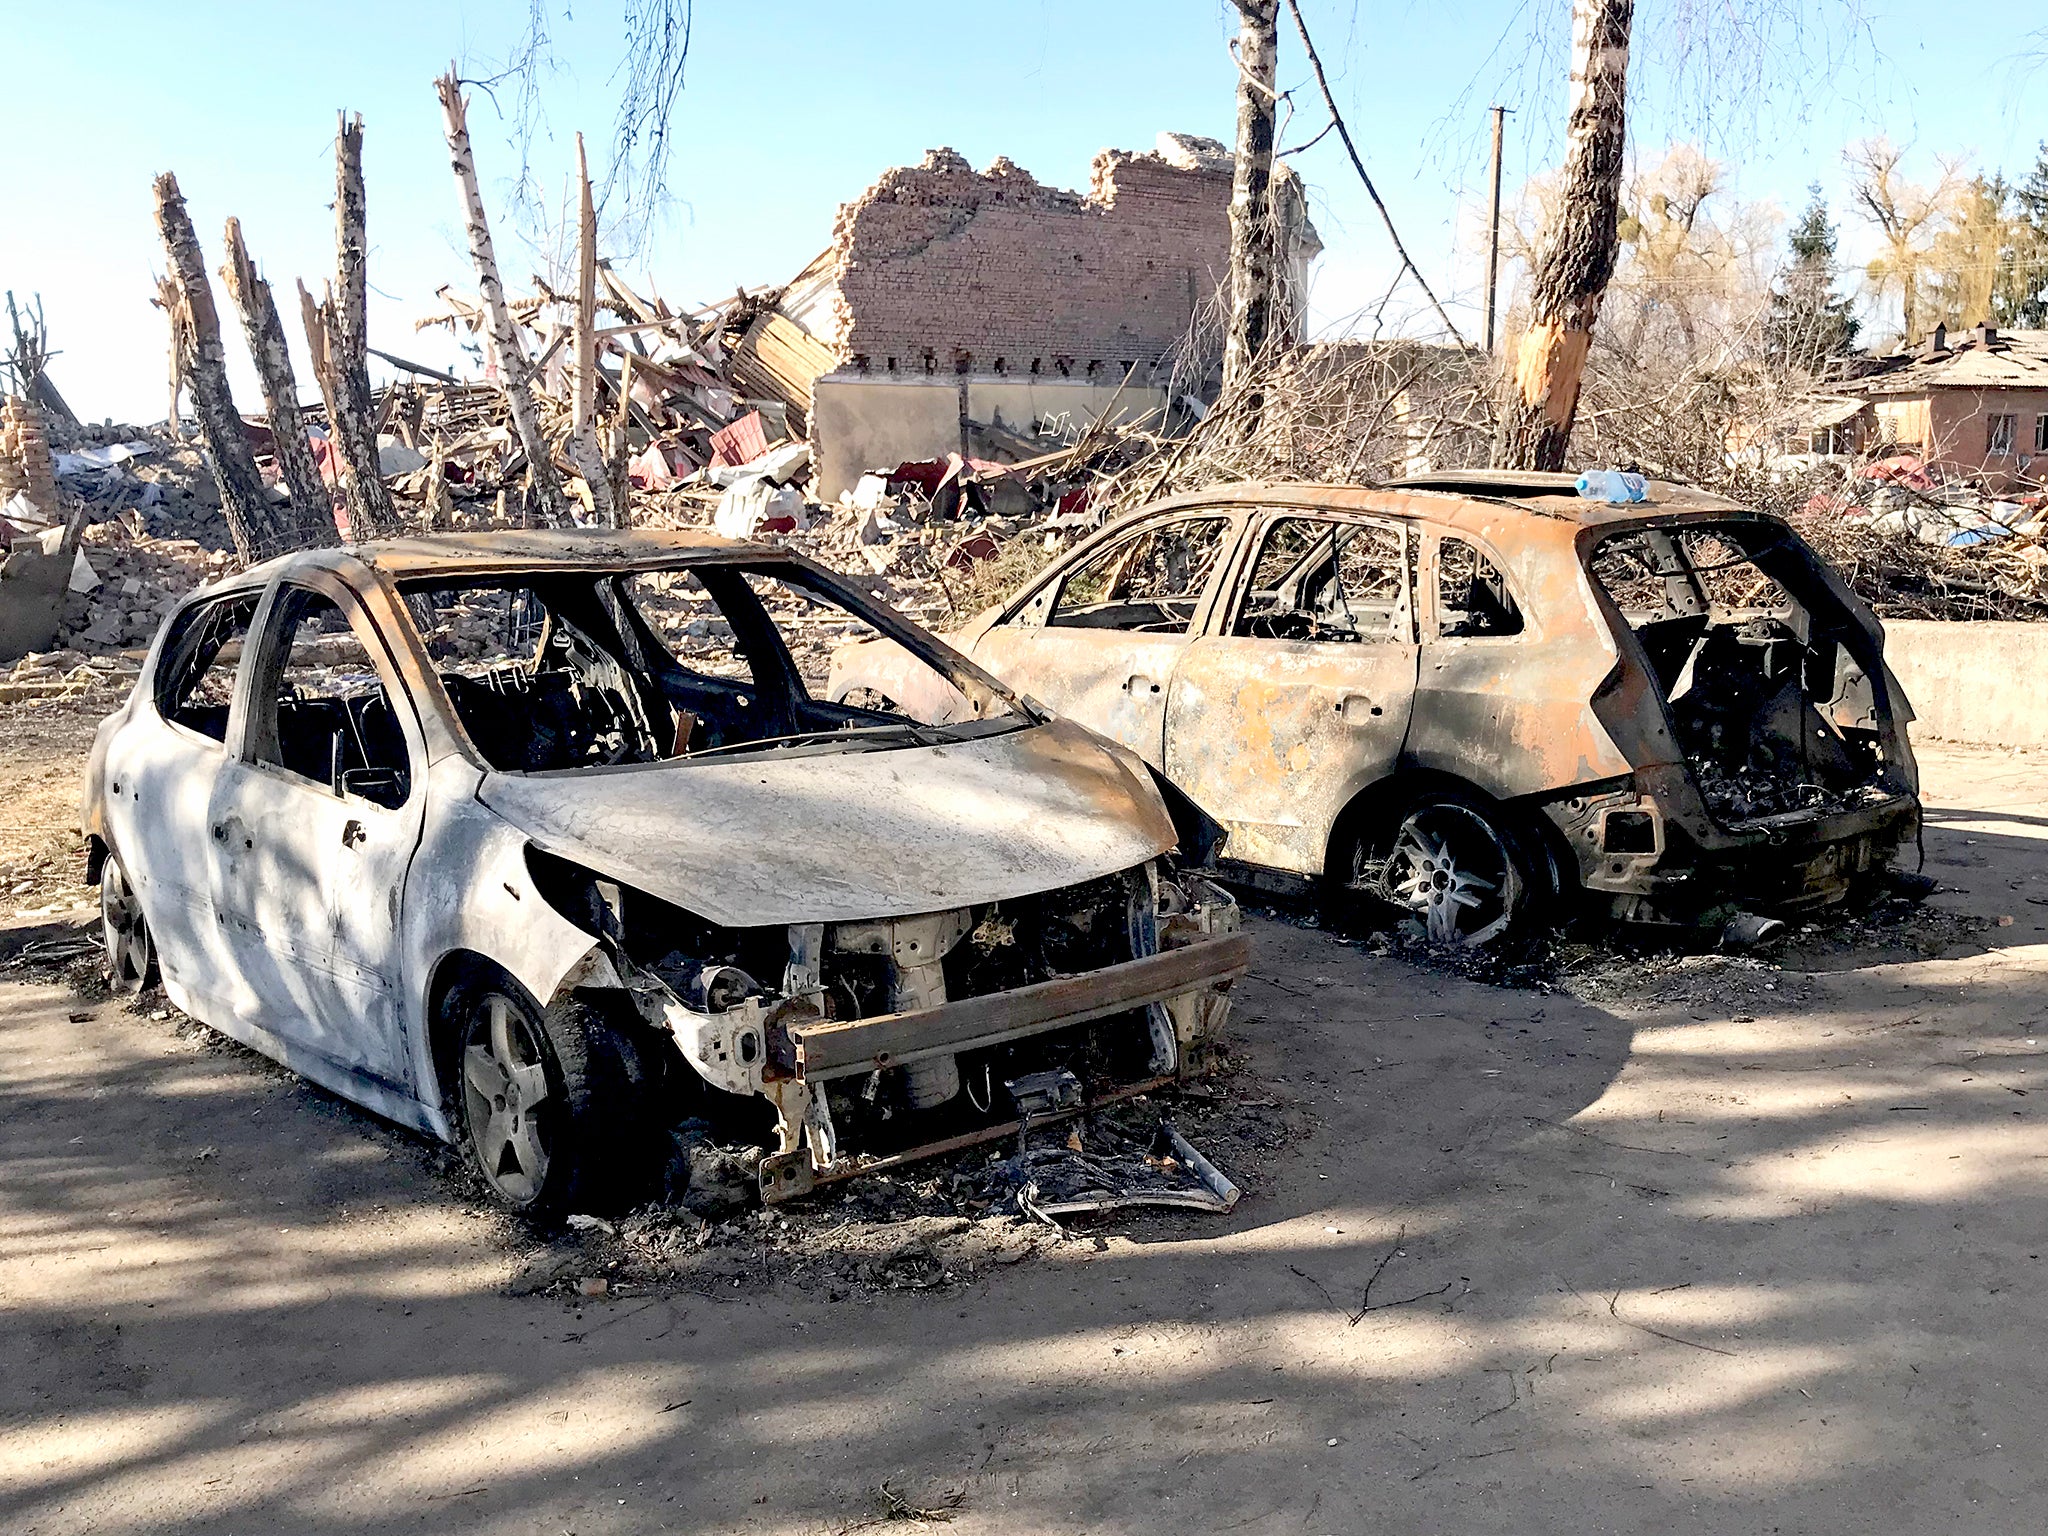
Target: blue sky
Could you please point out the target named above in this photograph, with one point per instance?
(793, 106)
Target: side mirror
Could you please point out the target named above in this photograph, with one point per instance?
(387, 787)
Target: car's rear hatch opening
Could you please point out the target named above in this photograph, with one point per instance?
(1773, 686)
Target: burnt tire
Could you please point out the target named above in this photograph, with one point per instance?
(124, 933)
(1464, 868)
(552, 1107)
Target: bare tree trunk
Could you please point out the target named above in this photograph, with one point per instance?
(352, 419)
(1254, 231)
(1578, 251)
(167, 301)
(255, 525)
(312, 504)
(583, 415)
(514, 371)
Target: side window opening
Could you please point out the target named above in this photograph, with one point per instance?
(1148, 583)
(323, 712)
(1329, 582)
(196, 677)
(1472, 597)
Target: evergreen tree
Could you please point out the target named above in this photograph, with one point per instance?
(1807, 322)
(2022, 297)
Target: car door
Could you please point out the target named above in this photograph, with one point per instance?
(161, 770)
(1099, 639)
(1300, 694)
(314, 820)
(1494, 704)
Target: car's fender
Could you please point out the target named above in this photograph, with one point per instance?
(469, 892)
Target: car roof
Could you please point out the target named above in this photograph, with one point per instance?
(1474, 498)
(508, 550)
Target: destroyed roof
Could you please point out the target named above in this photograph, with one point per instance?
(2010, 360)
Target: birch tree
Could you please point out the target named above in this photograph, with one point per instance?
(1577, 252)
(515, 371)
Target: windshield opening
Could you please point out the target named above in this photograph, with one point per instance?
(1761, 669)
(563, 670)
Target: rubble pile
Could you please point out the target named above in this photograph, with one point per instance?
(1915, 547)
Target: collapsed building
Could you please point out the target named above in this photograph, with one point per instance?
(983, 313)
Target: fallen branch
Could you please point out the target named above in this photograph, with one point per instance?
(1658, 1333)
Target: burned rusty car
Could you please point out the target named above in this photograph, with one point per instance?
(1474, 696)
(549, 844)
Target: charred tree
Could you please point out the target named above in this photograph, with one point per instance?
(515, 373)
(352, 415)
(590, 459)
(1254, 230)
(1578, 251)
(312, 506)
(257, 527)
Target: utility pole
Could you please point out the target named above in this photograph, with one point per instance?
(1493, 236)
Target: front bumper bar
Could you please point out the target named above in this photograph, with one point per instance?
(856, 1046)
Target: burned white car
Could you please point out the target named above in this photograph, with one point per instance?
(549, 843)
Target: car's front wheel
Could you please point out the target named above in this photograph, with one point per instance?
(550, 1105)
(1459, 866)
(124, 933)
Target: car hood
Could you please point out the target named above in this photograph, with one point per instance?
(762, 841)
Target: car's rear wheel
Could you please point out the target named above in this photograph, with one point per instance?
(1459, 866)
(550, 1105)
(124, 933)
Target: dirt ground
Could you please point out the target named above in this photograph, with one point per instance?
(1645, 1242)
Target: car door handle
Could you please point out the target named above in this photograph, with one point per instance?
(1137, 682)
(353, 833)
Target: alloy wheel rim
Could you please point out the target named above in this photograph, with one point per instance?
(123, 932)
(1450, 867)
(507, 1095)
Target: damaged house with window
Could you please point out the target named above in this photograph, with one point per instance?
(989, 315)
(1973, 406)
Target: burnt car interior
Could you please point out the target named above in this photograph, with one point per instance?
(1473, 600)
(196, 677)
(319, 708)
(1326, 581)
(562, 670)
(1762, 670)
(1148, 583)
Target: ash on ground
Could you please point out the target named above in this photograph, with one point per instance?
(930, 1226)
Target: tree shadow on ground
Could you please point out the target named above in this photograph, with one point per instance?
(1537, 1265)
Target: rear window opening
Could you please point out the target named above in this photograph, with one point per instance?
(557, 671)
(1762, 670)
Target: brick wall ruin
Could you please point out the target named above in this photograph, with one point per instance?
(942, 269)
